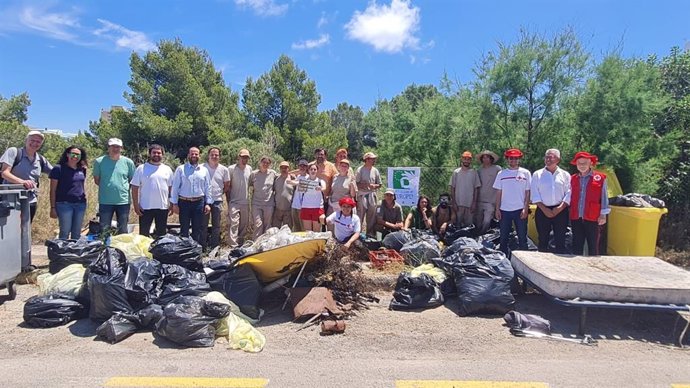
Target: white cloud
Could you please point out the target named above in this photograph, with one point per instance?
(56, 25)
(123, 37)
(263, 7)
(309, 44)
(388, 28)
(322, 21)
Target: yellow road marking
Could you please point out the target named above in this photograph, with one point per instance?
(467, 384)
(136, 381)
(680, 385)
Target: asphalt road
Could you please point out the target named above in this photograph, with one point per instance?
(380, 348)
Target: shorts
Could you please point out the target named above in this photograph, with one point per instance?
(311, 214)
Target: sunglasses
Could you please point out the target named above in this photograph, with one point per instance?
(74, 155)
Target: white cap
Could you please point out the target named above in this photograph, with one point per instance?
(35, 132)
(114, 141)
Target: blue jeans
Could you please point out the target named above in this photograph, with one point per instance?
(105, 214)
(191, 212)
(508, 218)
(70, 218)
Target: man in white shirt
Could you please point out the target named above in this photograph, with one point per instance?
(220, 182)
(512, 200)
(151, 193)
(190, 194)
(550, 191)
(238, 199)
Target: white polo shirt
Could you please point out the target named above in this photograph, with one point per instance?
(514, 185)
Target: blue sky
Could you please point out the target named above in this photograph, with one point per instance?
(72, 57)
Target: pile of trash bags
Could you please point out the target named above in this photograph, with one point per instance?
(637, 200)
(473, 269)
(167, 289)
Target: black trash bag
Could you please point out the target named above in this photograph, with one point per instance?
(371, 243)
(460, 244)
(482, 278)
(240, 285)
(453, 233)
(143, 282)
(491, 239)
(179, 281)
(118, 327)
(52, 310)
(396, 240)
(190, 321)
(416, 293)
(149, 316)
(637, 200)
(184, 251)
(416, 253)
(106, 282)
(62, 253)
(519, 323)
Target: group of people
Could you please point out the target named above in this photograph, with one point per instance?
(317, 194)
(479, 195)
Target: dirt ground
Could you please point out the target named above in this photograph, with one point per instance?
(378, 348)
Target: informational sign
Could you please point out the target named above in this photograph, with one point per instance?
(405, 182)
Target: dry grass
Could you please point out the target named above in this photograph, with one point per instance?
(46, 228)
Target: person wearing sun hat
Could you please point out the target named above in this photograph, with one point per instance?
(343, 185)
(389, 215)
(486, 199)
(589, 204)
(464, 186)
(512, 200)
(296, 206)
(368, 180)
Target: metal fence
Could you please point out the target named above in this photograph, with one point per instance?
(433, 181)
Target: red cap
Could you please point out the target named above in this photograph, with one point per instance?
(346, 201)
(513, 153)
(584, 154)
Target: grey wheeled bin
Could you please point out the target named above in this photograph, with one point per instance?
(15, 235)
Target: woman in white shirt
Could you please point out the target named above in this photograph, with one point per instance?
(311, 189)
(347, 225)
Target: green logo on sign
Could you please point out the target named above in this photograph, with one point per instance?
(404, 179)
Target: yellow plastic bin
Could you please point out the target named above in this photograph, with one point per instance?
(632, 231)
(531, 226)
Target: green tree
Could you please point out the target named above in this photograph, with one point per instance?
(351, 119)
(178, 99)
(286, 98)
(614, 117)
(13, 114)
(526, 82)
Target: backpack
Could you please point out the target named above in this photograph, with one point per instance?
(18, 158)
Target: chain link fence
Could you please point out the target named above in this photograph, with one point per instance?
(433, 182)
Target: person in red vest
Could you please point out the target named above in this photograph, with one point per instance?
(589, 204)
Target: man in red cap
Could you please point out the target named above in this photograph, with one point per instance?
(512, 200)
(589, 204)
(464, 189)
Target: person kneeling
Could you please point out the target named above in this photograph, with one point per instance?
(347, 227)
